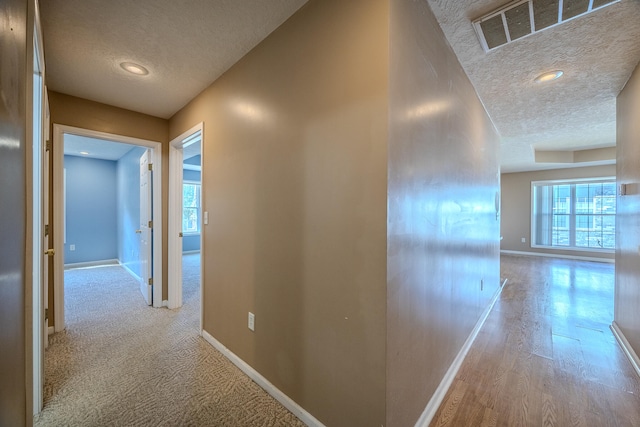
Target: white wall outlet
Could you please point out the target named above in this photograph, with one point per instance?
(72, 247)
(523, 240)
(252, 321)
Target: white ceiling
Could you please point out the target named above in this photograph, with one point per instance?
(75, 145)
(186, 45)
(597, 53)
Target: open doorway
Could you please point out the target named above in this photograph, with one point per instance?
(185, 215)
(73, 148)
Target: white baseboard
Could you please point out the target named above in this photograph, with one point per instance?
(626, 347)
(437, 398)
(197, 251)
(91, 264)
(134, 275)
(286, 401)
(165, 303)
(542, 254)
(50, 330)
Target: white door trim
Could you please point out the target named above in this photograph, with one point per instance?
(58, 211)
(175, 217)
(37, 217)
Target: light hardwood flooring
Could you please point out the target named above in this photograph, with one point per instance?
(546, 355)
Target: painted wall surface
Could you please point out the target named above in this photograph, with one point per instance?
(443, 231)
(128, 209)
(82, 113)
(295, 187)
(627, 292)
(90, 210)
(516, 207)
(13, 193)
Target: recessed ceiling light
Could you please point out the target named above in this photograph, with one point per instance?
(84, 153)
(134, 68)
(550, 76)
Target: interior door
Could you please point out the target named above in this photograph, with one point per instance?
(146, 228)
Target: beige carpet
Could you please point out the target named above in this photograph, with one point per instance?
(121, 363)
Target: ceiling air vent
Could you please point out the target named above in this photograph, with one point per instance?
(521, 18)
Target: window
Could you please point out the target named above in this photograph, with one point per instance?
(577, 214)
(191, 207)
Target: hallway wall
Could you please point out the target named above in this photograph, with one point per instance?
(295, 186)
(443, 232)
(627, 295)
(16, 42)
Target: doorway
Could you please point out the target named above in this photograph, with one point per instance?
(186, 217)
(62, 133)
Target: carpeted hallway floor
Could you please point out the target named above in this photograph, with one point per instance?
(121, 363)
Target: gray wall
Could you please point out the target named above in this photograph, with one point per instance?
(14, 44)
(516, 206)
(90, 210)
(443, 233)
(627, 294)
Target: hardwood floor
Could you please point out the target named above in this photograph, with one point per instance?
(546, 355)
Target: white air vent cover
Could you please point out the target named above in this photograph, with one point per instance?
(522, 18)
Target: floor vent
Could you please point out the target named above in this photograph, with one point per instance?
(522, 18)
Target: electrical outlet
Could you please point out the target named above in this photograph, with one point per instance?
(523, 240)
(72, 247)
(482, 284)
(252, 321)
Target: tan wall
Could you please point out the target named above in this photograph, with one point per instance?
(71, 111)
(516, 206)
(15, 43)
(294, 180)
(627, 294)
(443, 233)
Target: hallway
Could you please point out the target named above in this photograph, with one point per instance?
(546, 355)
(122, 363)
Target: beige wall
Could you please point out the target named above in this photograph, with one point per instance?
(443, 232)
(71, 111)
(15, 49)
(627, 294)
(516, 206)
(294, 180)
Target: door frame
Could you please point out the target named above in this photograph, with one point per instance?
(58, 210)
(36, 217)
(175, 217)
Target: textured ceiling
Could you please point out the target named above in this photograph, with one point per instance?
(185, 45)
(597, 53)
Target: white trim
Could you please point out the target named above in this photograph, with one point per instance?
(626, 347)
(176, 179)
(58, 209)
(130, 271)
(438, 396)
(581, 258)
(286, 401)
(190, 252)
(51, 330)
(89, 264)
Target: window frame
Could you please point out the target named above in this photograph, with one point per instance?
(572, 215)
(198, 208)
